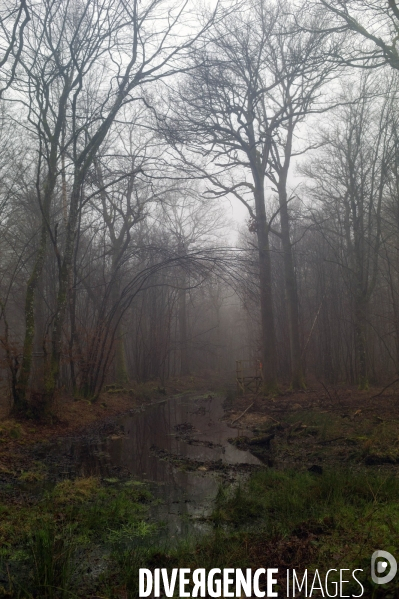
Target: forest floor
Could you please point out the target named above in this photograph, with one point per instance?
(79, 418)
(320, 426)
(327, 496)
(312, 428)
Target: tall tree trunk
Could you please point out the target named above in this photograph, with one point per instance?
(20, 406)
(266, 298)
(291, 291)
(21, 403)
(121, 374)
(360, 341)
(53, 371)
(184, 359)
(282, 166)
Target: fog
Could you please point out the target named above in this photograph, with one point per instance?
(181, 189)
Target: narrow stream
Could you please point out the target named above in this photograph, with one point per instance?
(179, 446)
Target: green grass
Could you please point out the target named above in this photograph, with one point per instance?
(52, 551)
(278, 519)
(343, 516)
(284, 519)
(279, 501)
(44, 545)
(335, 520)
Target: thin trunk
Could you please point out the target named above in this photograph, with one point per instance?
(184, 361)
(258, 161)
(291, 289)
(63, 180)
(48, 191)
(85, 160)
(121, 375)
(360, 342)
(74, 336)
(12, 360)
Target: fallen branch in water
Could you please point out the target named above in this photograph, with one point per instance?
(241, 415)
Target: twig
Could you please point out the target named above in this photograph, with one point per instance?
(326, 390)
(311, 330)
(241, 415)
(274, 420)
(330, 440)
(385, 388)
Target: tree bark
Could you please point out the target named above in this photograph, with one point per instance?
(53, 371)
(21, 403)
(269, 360)
(291, 290)
(121, 374)
(360, 341)
(184, 359)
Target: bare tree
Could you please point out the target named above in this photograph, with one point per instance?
(192, 221)
(14, 17)
(124, 182)
(82, 65)
(351, 177)
(255, 81)
(375, 25)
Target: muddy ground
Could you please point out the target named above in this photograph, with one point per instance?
(320, 426)
(308, 429)
(314, 431)
(22, 442)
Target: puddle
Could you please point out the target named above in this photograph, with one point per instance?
(178, 446)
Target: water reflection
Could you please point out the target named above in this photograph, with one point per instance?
(183, 427)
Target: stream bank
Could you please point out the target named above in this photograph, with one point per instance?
(172, 484)
(151, 473)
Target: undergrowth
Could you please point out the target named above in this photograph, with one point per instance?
(46, 547)
(276, 519)
(290, 520)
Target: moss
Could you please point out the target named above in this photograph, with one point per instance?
(78, 490)
(270, 389)
(363, 384)
(11, 430)
(45, 541)
(287, 519)
(32, 476)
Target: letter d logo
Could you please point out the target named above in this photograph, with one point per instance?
(380, 567)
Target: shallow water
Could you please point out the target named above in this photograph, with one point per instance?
(179, 446)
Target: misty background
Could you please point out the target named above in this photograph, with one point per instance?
(184, 186)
